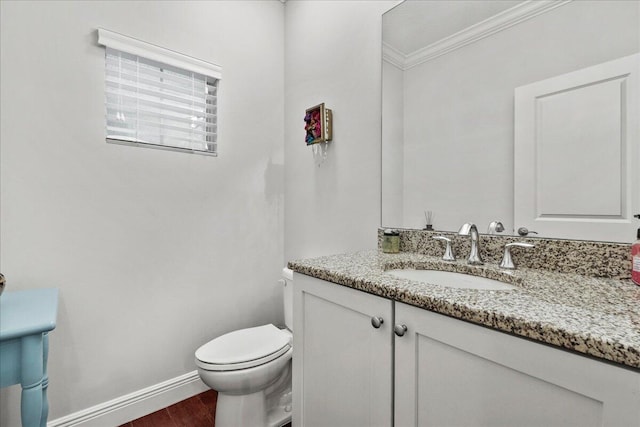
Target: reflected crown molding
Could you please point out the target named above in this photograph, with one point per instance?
(393, 56)
(472, 34)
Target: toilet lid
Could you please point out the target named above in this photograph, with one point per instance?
(244, 345)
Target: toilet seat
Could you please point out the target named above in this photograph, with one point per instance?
(243, 349)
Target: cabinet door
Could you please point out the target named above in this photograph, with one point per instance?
(453, 373)
(342, 365)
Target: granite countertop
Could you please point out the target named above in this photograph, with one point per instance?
(598, 317)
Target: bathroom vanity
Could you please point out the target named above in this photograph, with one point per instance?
(559, 349)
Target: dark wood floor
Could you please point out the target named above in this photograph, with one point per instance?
(197, 411)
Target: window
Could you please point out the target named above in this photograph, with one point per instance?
(157, 97)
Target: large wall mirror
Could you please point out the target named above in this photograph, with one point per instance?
(453, 127)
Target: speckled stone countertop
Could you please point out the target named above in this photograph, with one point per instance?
(599, 317)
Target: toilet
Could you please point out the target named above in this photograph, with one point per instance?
(251, 371)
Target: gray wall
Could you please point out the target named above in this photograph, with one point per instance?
(393, 146)
(154, 252)
(333, 55)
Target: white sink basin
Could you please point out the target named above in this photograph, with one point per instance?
(450, 279)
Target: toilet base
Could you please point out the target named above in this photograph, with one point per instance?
(281, 414)
(231, 410)
(267, 408)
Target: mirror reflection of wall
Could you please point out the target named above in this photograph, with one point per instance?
(448, 115)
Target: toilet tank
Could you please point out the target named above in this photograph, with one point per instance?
(287, 281)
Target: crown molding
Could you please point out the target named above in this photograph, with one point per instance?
(501, 21)
(393, 56)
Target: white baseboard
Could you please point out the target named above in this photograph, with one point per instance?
(135, 405)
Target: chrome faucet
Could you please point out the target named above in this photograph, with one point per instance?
(470, 229)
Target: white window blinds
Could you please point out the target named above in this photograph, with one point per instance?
(158, 103)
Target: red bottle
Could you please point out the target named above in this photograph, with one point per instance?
(635, 259)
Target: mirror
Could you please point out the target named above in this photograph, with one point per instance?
(449, 72)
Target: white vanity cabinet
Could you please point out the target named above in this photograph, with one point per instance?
(342, 364)
(440, 372)
(453, 373)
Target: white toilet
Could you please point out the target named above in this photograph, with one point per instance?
(251, 371)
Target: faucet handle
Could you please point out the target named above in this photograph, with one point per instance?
(495, 227)
(448, 253)
(507, 261)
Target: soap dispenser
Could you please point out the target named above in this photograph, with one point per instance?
(635, 258)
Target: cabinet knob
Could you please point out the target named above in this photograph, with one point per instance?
(400, 330)
(376, 321)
